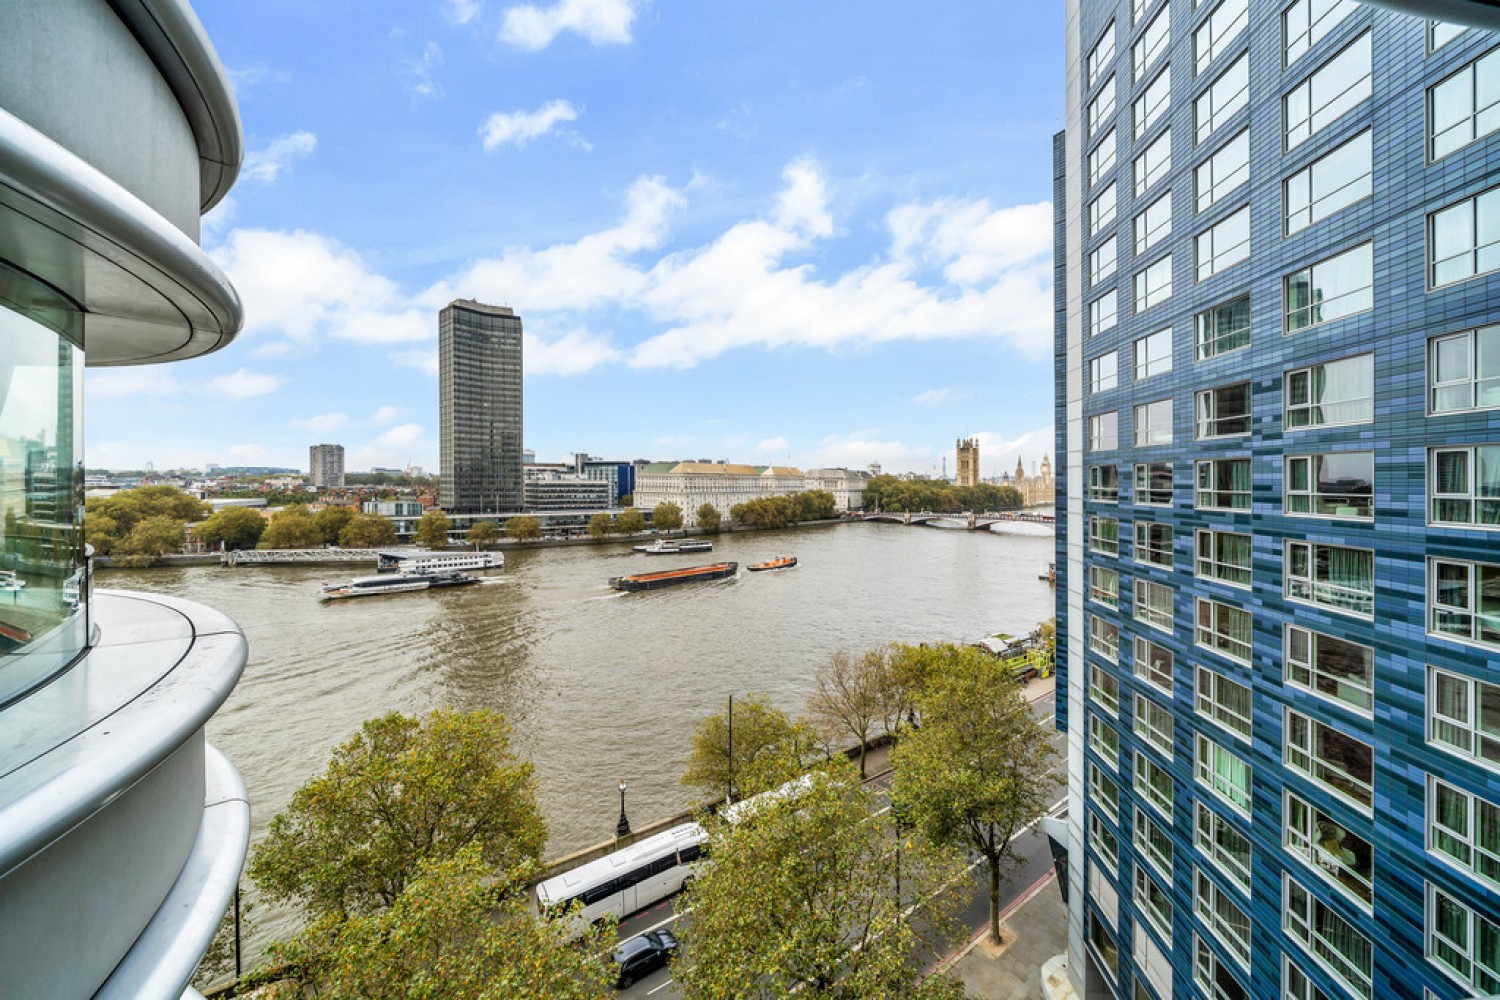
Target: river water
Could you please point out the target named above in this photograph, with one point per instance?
(599, 686)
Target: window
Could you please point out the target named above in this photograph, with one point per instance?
(1154, 224)
(1464, 370)
(1153, 354)
(1223, 556)
(1152, 44)
(1154, 784)
(1104, 372)
(1464, 829)
(1154, 724)
(1332, 289)
(1330, 756)
(1104, 689)
(1440, 33)
(1103, 313)
(1104, 946)
(1223, 628)
(1328, 937)
(1153, 102)
(1335, 484)
(1102, 210)
(1104, 842)
(1463, 601)
(1104, 792)
(1104, 741)
(1222, 245)
(1102, 261)
(1153, 664)
(1463, 941)
(1296, 985)
(1222, 844)
(1153, 844)
(1307, 22)
(1153, 604)
(1223, 172)
(1223, 484)
(1345, 858)
(1337, 669)
(1223, 412)
(1153, 901)
(1334, 88)
(1104, 535)
(1153, 483)
(1213, 976)
(1225, 701)
(1332, 182)
(1154, 967)
(1464, 485)
(1465, 239)
(1463, 716)
(1218, 32)
(1102, 106)
(1153, 543)
(1223, 773)
(1138, 10)
(1154, 284)
(1224, 328)
(1104, 639)
(1226, 921)
(1153, 164)
(1104, 431)
(1102, 158)
(1332, 393)
(1104, 483)
(1153, 423)
(1331, 576)
(1226, 95)
(1100, 56)
(1104, 586)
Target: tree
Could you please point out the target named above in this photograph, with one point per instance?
(432, 530)
(979, 768)
(818, 505)
(127, 508)
(630, 521)
(666, 516)
(769, 749)
(99, 530)
(525, 528)
(905, 671)
(290, 528)
(235, 527)
(482, 534)
(600, 525)
(847, 698)
(708, 518)
(801, 899)
(367, 531)
(151, 539)
(456, 932)
(330, 523)
(1046, 634)
(402, 791)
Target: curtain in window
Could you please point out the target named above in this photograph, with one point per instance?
(1351, 949)
(1351, 574)
(1451, 820)
(1487, 363)
(1488, 588)
(1487, 484)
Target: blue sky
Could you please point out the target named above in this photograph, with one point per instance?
(816, 233)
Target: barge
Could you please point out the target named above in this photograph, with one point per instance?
(672, 577)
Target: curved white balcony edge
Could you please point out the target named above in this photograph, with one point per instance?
(1474, 13)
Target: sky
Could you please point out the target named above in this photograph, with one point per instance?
(766, 231)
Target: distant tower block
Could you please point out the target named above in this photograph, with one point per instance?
(968, 462)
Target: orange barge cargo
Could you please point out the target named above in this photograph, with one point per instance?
(672, 577)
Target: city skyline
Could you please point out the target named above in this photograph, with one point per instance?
(774, 236)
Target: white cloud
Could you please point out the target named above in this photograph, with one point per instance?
(394, 448)
(858, 450)
(249, 454)
(244, 384)
(323, 423)
(932, 396)
(152, 381)
(424, 361)
(673, 441)
(264, 166)
(460, 11)
(520, 127)
(602, 22)
(772, 446)
(572, 353)
(245, 78)
(419, 72)
(384, 415)
(998, 454)
(219, 218)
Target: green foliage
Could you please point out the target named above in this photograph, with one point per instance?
(456, 932)
(236, 527)
(666, 516)
(600, 525)
(628, 500)
(290, 528)
(630, 521)
(99, 530)
(979, 768)
(367, 531)
(525, 528)
(330, 522)
(769, 749)
(846, 700)
(781, 511)
(709, 518)
(402, 791)
(482, 534)
(803, 898)
(886, 492)
(432, 530)
(151, 539)
(818, 505)
(110, 521)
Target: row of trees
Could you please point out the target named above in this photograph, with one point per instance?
(889, 493)
(781, 511)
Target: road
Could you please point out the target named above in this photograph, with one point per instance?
(1031, 845)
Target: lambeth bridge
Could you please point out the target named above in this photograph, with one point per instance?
(974, 520)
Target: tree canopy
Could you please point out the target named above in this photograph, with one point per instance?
(709, 518)
(149, 540)
(330, 522)
(784, 510)
(290, 528)
(846, 700)
(601, 524)
(432, 530)
(666, 516)
(367, 531)
(630, 521)
(886, 492)
(236, 527)
(526, 528)
(483, 534)
(769, 749)
(107, 521)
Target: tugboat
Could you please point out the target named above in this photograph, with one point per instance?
(780, 562)
(394, 583)
(672, 577)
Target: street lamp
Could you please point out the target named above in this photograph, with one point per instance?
(622, 828)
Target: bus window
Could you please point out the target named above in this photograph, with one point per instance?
(690, 853)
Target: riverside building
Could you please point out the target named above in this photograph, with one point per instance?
(122, 831)
(479, 411)
(690, 485)
(325, 466)
(1278, 403)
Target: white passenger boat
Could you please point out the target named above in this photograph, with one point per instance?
(665, 547)
(422, 561)
(394, 583)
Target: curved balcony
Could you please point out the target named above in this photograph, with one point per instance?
(1474, 13)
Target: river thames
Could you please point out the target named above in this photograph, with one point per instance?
(599, 686)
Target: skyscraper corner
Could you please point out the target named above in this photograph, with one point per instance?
(480, 408)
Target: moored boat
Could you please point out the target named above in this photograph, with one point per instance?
(780, 562)
(394, 583)
(666, 547)
(422, 561)
(672, 577)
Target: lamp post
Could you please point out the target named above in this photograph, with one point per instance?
(622, 828)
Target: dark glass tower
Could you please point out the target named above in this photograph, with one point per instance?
(479, 379)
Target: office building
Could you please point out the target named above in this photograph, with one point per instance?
(846, 485)
(558, 489)
(479, 384)
(325, 466)
(690, 485)
(1278, 326)
(122, 831)
(966, 469)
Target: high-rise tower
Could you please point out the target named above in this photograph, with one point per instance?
(967, 469)
(1278, 339)
(479, 381)
(325, 466)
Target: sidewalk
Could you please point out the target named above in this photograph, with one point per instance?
(1036, 927)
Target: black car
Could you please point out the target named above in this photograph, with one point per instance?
(641, 955)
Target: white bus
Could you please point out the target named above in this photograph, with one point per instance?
(628, 880)
(746, 809)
